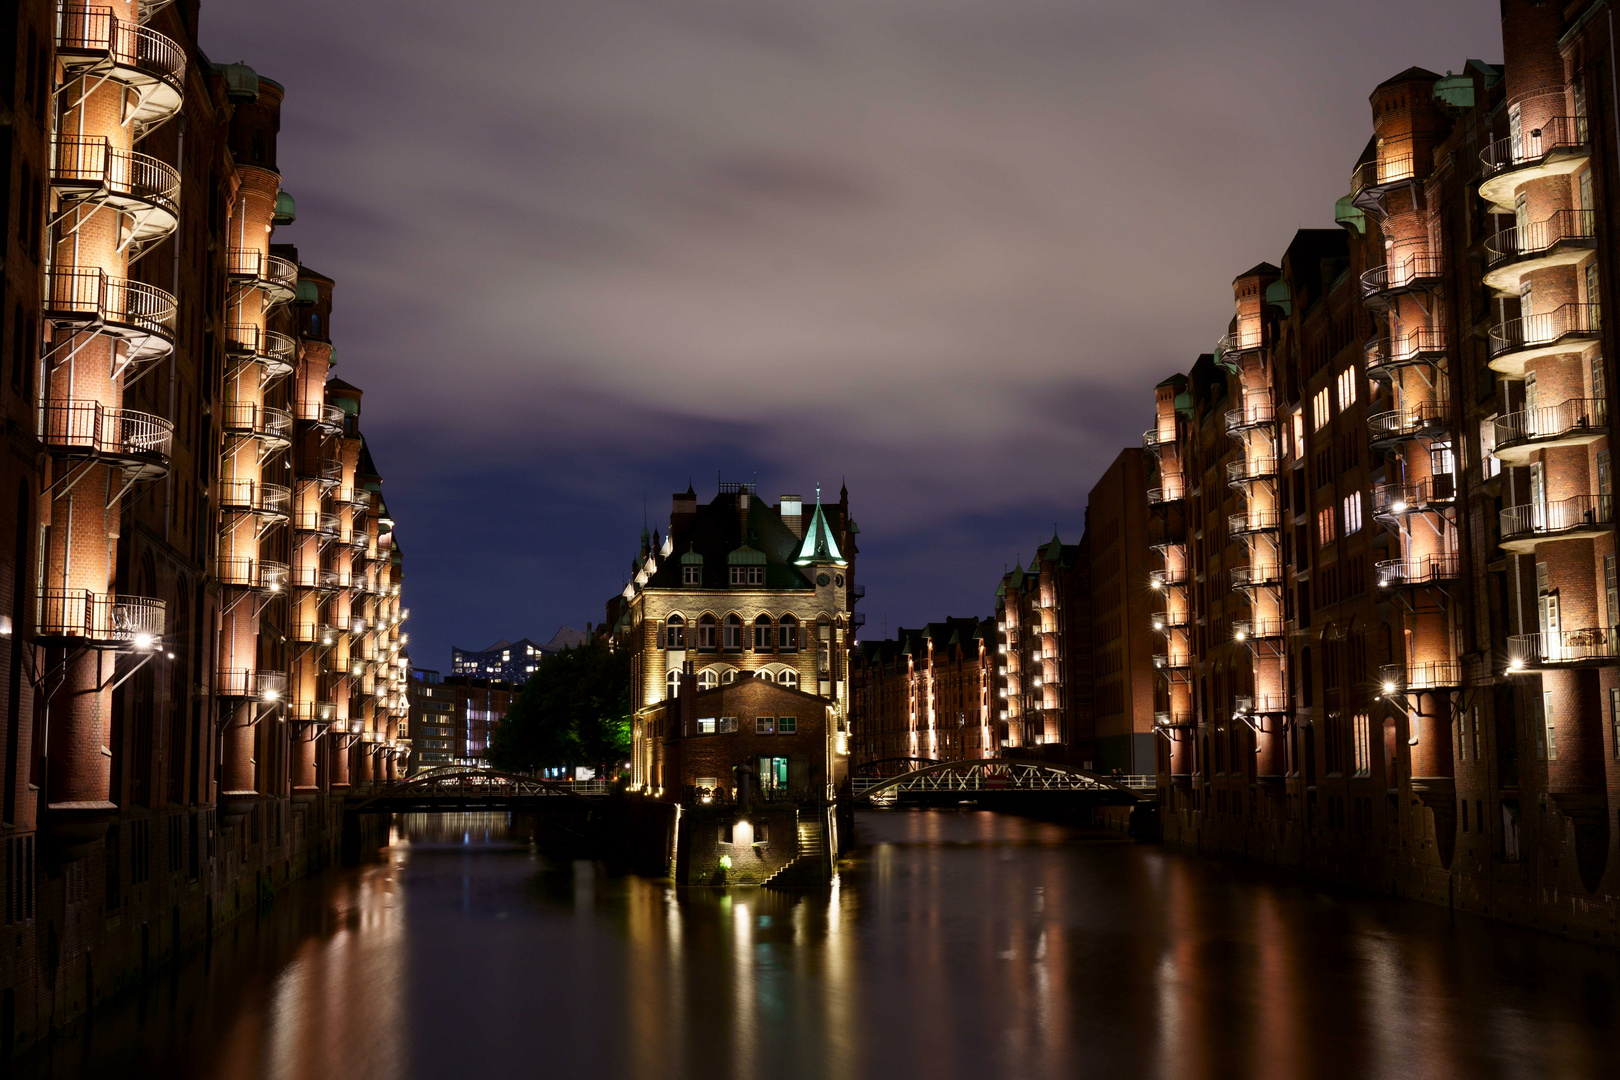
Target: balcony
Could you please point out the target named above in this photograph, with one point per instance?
(327, 474)
(255, 497)
(1558, 147)
(1153, 438)
(1564, 648)
(1165, 494)
(313, 633)
(275, 276)
(1371, 179)
(88, 300)
(248, 420)
(1172, 719)
(1414, 497)
(1426, 345)
(1255, 412)
(277, 352)
(94, 43)
(1256, 576)
(1250, 470)
(258, 574)
(1418, 273)
(1425, 420)
(328, 418)
(314, 577)
(1175, 666)
(317, 521)
(100, 619)
(1562, 240)
(1251, 630)
(1259, 704)
(1421, 676)
(91, 170)
(1576, 422)
(268, 686)
(1575, 518)
(1566, 328)
(1233, 346)
(1159, 579)
(1165, 622)
(1251, 522)
(136, 441)
(312, 713)
(1421, 571)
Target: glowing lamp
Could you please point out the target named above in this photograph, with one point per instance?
(271, 693)
(1389, 687)
(1399, 506)
(1516, 664)
(144, 641)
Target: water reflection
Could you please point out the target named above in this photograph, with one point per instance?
(953, 945)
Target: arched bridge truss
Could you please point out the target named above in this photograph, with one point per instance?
(1000, 776)
(479, 789)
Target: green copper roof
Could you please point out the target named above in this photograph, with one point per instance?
(819, 545)
(691, 558)
(286, 209)
(746, 556)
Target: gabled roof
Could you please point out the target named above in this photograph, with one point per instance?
(1263, 269)
(1411, 74)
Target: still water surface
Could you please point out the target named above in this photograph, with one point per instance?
(953, 945)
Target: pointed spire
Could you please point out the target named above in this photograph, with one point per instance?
(819, 545)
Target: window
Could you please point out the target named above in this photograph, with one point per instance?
(762, 634)
(789, 725)
(1475, 734)
(1352, 513)
(787, 634)
(706, 787)
(707, 679)
(706, 725)
(691, 575)
(773, 773)
(764, 725)
(748, 575)
(1299, 435)
(1600, 386)
(766, 675)
(1347, 388)
(1594, 314)
(1614, 722)
(705, 632)
(1363, 737)
(1611, 592)
(733, 632)
(1490, 465)
(1552, 729)
(1605, 478)
(1321, 408)
(788, 678)
(675, 633)
(730, 675)
(1324, 526)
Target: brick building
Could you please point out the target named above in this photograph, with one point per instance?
(1385, 507)
(927, 693)
(1118, 622)
(199, 585)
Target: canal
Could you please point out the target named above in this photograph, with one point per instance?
(954, 944)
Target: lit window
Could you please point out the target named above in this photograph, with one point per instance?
(1347, 388)
(1363, 736)
(1352, 513)
(707, 680)
(672, 684)
(1299, 435)
(1321, 408)
(706, 725)
(675, 633)
(1324, 526)
(788, 678)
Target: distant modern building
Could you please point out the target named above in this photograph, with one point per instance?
(512, 661)
(432, 721)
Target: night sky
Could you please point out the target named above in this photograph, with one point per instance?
(589, 250)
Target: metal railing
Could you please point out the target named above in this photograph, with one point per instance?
(1256, 411)
(1577, 415)
(1161, 578)
(98, 32)
(245, 338)
(1166, 493)
(318, 412)
(1423, 570)
(1171, 661)
(316, 521)
(1415, 495)
(255, 496)
(1257, 629)
(79, 613)
(1250, 704)
(1536, 519)
(250, 683)
(87, 427)
(1152, 438)
(1166, 621)
(260, 421)
(1403, 275)
(1244, 577)
(313, 577)
(1423, 675)
(1556, 133)
(1415, 421)
(1239, 341)
(1541, 237)
(1172, 719)
(1535, 331)
(1253, 521)
(1246, 469)
(1392, 169)
(90, 295)
(253, 573)
(1423, 345)
(93, 162)
(1565, 646)
(259, 266)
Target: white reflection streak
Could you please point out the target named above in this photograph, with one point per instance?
(1171, 1021)
(1388, 1011)
(840, 990)
(744, 1014)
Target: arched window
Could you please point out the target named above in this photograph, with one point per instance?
(789, 679)
(762, 634)
(706, 679)
(675, 633)
(705, 632)
(733, 632)
(787, 634)
(672, 684)
(730, 676)
(766, 675)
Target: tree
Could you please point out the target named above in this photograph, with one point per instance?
(574, 710)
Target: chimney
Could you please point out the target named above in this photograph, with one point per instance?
(792, 509)
(684, 503)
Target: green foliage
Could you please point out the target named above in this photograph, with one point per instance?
(574, 710)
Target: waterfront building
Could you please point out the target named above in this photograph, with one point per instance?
(928, 693)
(739, 589)
(477, 708)
(432, 721)
(1385, 506)
(512, 661)
(200, 616)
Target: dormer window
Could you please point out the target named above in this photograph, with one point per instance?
(691, 575)
(748, 575)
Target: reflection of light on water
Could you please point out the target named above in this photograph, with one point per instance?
(744, 1006)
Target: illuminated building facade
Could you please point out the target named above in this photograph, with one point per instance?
(927, 693)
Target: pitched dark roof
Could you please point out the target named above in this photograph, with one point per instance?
(1411, 74)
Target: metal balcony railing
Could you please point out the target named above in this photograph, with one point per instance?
(1153, 438)
(1171, 661)
(312, 713)
(1550, 328)
(313, 577)
(85, 427)
(1166, 621)
(95, 33)
(254, 496)
(1423, 675)
(1172, 719)
(1259, 704)
(253, 574)
(1565, 228)
(1166, 493)
(1415, 272)
(1556, 134)
(1541, 519)
(1392, 169)
(1158, 579)
(256, 421)
(1246, 470)
(1414, 496)
(316, 521)
(1235, 342)
(321, 414)
(91, 166)
(1577, 416)
(245, 339)
(251, 683)
(1423, 570)
(101, 618)
(1255, 575)
(1256, 411)
(1427, 419)
(1556, 647)
(270, 271)
(1253, 521)
(1263, 629)
(88, 296)
(1425, 345)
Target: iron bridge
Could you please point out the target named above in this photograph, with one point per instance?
(1002, 776)
(454, 790)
